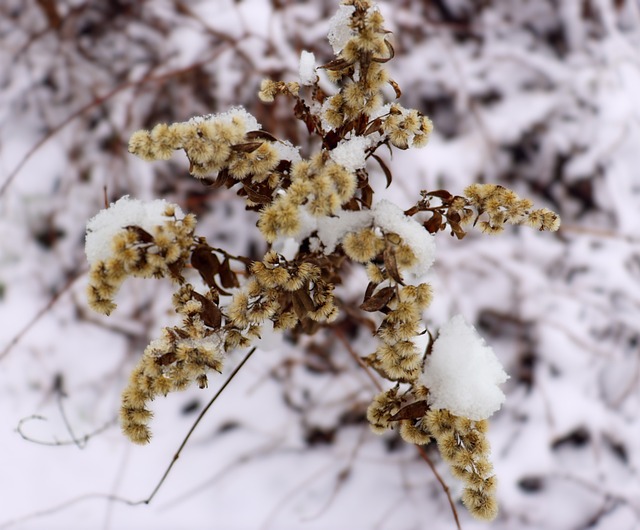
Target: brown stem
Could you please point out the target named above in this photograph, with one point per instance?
(439, 478)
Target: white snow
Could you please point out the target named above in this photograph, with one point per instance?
(124, 212)
(307, 68)
(384, 215)
(350, 153)
(287, 151)
(248, 120)
(331, 230)
(339, 30)
(564, 310)
(392, 219)
(463, 373)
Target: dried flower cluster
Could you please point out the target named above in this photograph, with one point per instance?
(160, 250)
(463, 445)
(179, 357)
(314, 214)
(504, 206)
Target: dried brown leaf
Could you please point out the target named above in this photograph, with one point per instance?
(228, 278)
(165, 359)
(248, 147)
(412, 411)
(435, 223)
(378, 300)
(385, 169)
(142, 234)
(391, 265)
(260, 135)
(206, 263)
(302, 303)
(210, 314)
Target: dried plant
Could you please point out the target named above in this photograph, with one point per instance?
(316, 214)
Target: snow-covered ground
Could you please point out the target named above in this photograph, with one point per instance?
(540, 96)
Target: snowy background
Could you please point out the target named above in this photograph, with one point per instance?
(541, 96)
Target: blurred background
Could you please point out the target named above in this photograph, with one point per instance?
(538, 95)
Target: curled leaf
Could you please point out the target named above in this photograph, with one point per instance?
(379, 300)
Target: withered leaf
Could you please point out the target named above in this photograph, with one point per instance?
(435, 223)
(453, 217)
(206, 263)
(442, 194)
(210, 314)
(457, 230)
(396, 88)
(378, 300)
(142, 234)
(392, 54)
(361, 124)
(391, 265)
(221, 180)
(302, 112)
(412, 211)
(319, 94)
(228, 278)
(369, 290)
(166, 358)
(352, 205)
(367, 196)
(260, 135)
(302, 303)
(373, 127)
(257, 196)
(385, 169)
(413, 411)
(248, 147)
(336, 64)
(181, 333)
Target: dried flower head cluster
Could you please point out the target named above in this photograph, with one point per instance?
(463, 445)
(503, 206)
(179, 357)
(135, 239)
(315, 214)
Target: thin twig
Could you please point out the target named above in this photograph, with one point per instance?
(447, 492)
(420, 449)
(357, 358)
(115, 498)
(64, 505)
(97, 102)
(195, 424)
(39, 314)
(78, 441)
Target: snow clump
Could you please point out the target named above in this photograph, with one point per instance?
(102, 228)
(351, 153)
(233, 115)
(463, 373)
(307, 68)
(392, 219)
(339, 29)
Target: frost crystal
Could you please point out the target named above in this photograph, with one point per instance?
(125, 212)
(339, 30)
(462, 373)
